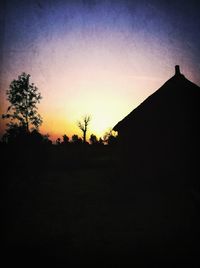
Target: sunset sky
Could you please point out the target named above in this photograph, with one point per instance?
(100, 58)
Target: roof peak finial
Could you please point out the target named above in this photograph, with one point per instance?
(177, 70)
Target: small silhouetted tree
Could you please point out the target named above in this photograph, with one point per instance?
(83, 125)
(65, 139)
(23, 98)
(101, 141)
(93, 139)
(76, 139)
(58, 141)
(110, 137)
(47, 140)
(36, 138)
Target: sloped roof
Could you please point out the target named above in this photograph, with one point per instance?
(176, 100)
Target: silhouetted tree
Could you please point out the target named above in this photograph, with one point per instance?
(46, 139)
(110, 137)
(15, 134)
(65, 139)
(23, 98)
(36, 137)
(100, 141)
(76, 139)
(93, 139)
(58, 141)
(84, 126)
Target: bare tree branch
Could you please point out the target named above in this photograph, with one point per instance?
(83, 125)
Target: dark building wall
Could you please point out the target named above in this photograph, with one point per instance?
(162, 134)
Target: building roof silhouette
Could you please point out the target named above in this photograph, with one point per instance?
(174, 105)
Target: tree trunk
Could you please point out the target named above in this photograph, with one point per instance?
(27, 124)
(84, 136)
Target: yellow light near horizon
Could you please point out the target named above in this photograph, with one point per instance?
(90, 98)
(100, 125)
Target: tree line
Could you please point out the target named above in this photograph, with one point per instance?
(24, 119)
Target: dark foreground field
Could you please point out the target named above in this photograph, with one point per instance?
(99, 217)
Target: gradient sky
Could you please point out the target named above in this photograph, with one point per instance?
(101, 58)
